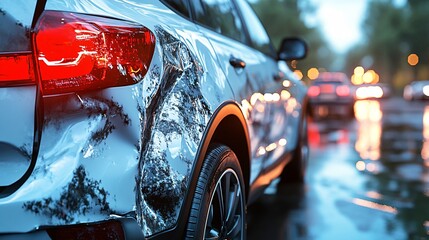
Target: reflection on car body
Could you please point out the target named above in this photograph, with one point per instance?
(125, 119)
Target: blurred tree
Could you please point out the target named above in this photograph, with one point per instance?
(391, 34)
(417, 36)
(384, 31)
(285, 18)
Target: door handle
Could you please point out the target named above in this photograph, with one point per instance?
(237, 63)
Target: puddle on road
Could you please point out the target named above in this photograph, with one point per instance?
(367, 179)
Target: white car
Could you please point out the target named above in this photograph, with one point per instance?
(417, 90)
(142, 119)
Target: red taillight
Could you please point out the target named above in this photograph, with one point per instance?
(78, 52)
(313, 91)
(16, 67)
(343, 91)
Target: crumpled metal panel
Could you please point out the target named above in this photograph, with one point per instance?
(124, 151)
(175, 128)
(16, 132)
(87, 163)
(83, 123)
(81, 196)
(96, 148)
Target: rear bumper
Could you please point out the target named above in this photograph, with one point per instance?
(86, 165)
(336, 101)
(121, 228)
(328, 109)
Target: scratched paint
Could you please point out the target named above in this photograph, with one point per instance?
(172, 138)
(81, 196)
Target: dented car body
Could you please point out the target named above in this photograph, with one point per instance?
(110, 108)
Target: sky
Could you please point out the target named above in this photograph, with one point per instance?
(341, 20)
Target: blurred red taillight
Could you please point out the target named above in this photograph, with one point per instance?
(313, 91)
(343, 91)
(78, 52)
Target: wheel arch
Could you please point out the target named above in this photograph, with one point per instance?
(227, 126)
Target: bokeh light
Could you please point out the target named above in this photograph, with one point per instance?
(367, 77)
(413, 59)
(298, 74)
(359, 71)
(313, 73)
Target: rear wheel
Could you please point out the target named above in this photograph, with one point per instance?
(294, 171)
(218, 206)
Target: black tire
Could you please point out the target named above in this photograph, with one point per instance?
(294, 171)
(209, 219)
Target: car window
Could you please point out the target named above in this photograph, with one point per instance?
(222, 17)
(258, 36)
(180, 6)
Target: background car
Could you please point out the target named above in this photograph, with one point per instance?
(417, 90)
(131, 119)
(331, 95)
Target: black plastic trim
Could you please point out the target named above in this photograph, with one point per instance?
(131, 230)
(40, 7)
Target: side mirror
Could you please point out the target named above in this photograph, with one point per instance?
(292, 49)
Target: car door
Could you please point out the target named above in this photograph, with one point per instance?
(252, 74)
(278, 134)
(17, 93)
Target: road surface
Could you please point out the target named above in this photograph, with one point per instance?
(367, 178)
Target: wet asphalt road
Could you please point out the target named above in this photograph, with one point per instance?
(367, 178)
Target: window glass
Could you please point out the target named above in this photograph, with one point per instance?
(257, 34)
(222, 17)
(180, 6)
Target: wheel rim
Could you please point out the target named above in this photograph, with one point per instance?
(225, 216)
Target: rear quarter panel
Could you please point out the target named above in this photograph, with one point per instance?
(124, 151)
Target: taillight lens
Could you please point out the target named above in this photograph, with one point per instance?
(343, 91)
(313, 91)
(78, 52)
(16, 68)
